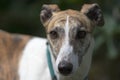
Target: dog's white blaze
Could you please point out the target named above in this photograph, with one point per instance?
(67, 30)
(66, 52)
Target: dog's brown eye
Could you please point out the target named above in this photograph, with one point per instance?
(53, 34)
(81, 34)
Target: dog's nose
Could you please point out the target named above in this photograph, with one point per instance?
(65, 68)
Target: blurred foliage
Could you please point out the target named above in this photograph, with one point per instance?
(106, 58)
(22, 16)
(109, 35)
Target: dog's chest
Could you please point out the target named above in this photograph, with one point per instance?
(33, 63)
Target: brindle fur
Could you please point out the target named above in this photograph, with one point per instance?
(10, 51)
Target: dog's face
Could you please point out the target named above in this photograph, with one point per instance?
(69, 33)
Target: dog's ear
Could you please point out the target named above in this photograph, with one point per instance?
(47, 12)
(94, 13)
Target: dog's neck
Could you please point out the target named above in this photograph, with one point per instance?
(83, 69)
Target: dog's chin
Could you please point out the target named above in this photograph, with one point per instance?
(66, 75)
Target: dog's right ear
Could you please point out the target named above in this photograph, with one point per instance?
(47, 12)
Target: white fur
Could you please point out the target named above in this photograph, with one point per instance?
(33, 63)
(67, 30)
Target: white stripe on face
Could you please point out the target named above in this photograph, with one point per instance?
(66, 52)
(67, 30)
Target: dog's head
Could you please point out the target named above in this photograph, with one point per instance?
(69, 33)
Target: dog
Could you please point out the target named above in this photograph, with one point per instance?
(66, 53)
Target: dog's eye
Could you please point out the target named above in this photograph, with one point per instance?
(81, 34)
(53, 34)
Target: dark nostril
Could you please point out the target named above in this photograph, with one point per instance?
(65, 68)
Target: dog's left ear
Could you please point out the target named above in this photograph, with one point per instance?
(94, 13)
(47, 12)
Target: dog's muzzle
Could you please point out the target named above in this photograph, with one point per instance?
(65, 68)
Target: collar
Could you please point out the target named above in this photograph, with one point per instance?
(49, 61)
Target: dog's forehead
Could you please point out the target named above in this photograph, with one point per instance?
(75, 18)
